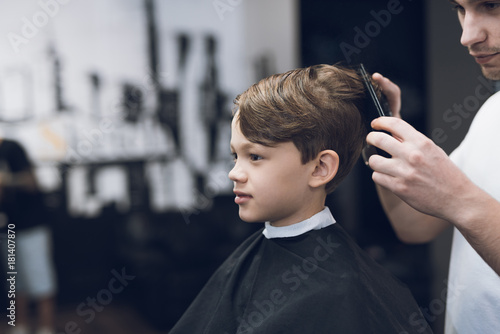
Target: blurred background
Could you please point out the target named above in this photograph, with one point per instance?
(124, 108)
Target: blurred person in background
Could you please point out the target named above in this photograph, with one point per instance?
(21, 208)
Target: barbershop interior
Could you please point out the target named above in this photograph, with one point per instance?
(124, 110)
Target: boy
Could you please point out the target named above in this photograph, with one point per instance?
(295, 136)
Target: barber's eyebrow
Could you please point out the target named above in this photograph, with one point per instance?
(471, 2)
(454, 3)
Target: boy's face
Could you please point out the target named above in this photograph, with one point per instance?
(271, 183)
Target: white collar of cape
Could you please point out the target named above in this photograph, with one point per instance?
(320, 220)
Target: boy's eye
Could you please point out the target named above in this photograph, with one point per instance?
(235, 156)
(255, 157)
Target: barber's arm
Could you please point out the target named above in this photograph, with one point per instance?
(423, 191)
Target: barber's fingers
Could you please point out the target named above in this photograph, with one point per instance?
(398, 128)
(391, 91)
(385, 142)
(387, 171)
(408, 147)
(382, 176)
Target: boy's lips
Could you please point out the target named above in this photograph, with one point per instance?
(241, 197)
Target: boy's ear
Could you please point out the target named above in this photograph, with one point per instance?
(326, 167)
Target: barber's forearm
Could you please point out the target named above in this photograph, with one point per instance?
(410, 225)
(478, 219)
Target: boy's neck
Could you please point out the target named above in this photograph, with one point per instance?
(320, 220)
(306, 213)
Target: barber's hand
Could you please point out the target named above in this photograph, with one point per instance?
(419, 172)
(391, 91)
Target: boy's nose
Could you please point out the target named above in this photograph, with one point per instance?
(236, 174)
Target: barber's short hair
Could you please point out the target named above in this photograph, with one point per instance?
(317, 108)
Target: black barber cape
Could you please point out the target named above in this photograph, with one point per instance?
(320, 282)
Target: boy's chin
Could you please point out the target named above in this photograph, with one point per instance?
(247, 219)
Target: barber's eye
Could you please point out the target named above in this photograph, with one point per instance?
(491, 5)
(458, 8)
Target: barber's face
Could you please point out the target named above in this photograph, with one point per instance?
(480, 22)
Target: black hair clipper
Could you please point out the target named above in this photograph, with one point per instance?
(374, 108)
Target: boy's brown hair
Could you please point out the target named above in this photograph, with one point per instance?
(317, 108)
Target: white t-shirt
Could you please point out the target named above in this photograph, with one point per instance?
(473, 304)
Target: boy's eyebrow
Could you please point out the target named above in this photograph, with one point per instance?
(244, 146)
(250, 146)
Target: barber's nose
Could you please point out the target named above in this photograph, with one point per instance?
(473, 31)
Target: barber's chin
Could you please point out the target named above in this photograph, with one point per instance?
(491, 72)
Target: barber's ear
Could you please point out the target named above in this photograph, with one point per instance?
(326, 167)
